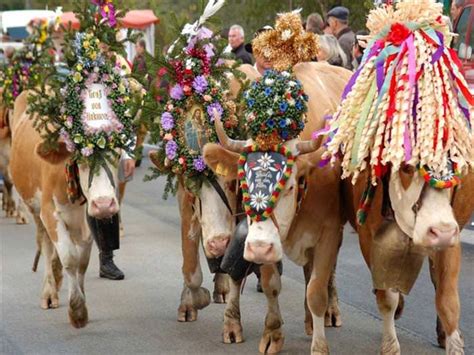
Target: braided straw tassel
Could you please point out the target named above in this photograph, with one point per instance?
(390, 117)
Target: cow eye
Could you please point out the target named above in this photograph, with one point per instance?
(408, 169)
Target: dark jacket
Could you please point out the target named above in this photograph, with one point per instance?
(346, 40)
(242, 54)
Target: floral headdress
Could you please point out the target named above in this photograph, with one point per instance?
(89, 108)
(275, 108)
(287, 44)
(36, 55)
(184, 112)
(408, 102)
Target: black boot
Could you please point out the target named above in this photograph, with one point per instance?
(108, 269)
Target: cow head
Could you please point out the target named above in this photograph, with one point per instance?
(217, 221)
(423, 212)
(99, 188)
(264, 240)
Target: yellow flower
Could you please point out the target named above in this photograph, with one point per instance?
(97, 41)
(93, 55)
(77, 77)
(126, 98)
(121, 88)
(85, 44)
(79, 67)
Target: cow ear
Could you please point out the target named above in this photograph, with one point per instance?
(53, 156)
(306, 163)
(221, 161)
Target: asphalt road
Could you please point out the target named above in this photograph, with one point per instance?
(138, 315)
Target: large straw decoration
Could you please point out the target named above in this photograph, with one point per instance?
(408, 102)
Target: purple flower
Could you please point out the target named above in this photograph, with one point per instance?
(220, 62)
(87, 151)
(209, 49)
(199, 164)
(210, 110)
(200, 84)
(167, 121)
(176, 92)
(171, 149)
(70, 146)
(204, 33)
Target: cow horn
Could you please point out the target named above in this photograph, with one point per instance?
(309, 146)
(230, 144)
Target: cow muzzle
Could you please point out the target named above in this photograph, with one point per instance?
(103, 207)
(261, 252)
(441, 237)
(216, 246)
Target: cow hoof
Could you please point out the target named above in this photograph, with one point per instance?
(187, 314)
(390, 346)
(21, 220)
(319, 347)
(308, 327)
(232, 333)
(333, 317)
(271, 342)
(47, 303)
(221, 288)
(191, 302)
(78, 316)
(441, 334)
(455, 344)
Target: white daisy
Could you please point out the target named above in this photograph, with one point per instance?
(269, 81)
(259, 201)
(265, 161)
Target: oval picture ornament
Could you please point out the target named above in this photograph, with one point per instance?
(96, 106)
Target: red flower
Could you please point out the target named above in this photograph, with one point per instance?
(162, 71)
(398, 33)
(187, 90)
(188, 71)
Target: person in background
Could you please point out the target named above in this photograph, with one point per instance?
(139, 63)
(262, 64)
(456, 9)
(338, 20)
(359, 47)
(236, 41)
(330, 51)
(315, 23)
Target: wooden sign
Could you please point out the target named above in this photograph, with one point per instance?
(96, 106)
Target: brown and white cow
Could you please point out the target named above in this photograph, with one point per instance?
(311, 235)
(11, 208)
(432, 218)
(206, 217)
(39, 176)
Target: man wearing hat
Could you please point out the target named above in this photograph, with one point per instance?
(338, 20)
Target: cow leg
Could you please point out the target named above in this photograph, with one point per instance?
(273, 338)
(441, 334)
(70, 256)
(324, 262)
(8, 202)
(387, 302)
(193, 297)
(232, 332)
(21, 213)
(49, 295)
(333, 314)
(84, 250)
(447, 265)
(308, 318)
(221, 288)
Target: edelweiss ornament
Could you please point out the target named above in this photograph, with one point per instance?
(408, 102)
(263, 176)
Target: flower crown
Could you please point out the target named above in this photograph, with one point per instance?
(275, 108)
